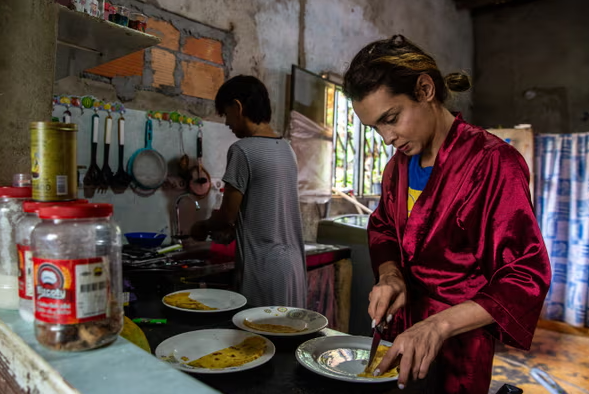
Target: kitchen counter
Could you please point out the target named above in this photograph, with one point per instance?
(27, 367)
(319, 255)
(282, 374)
(122, 367)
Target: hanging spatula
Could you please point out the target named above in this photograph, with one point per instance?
(121, 179)
(92, 177)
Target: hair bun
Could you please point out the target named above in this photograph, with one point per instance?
(398, 40)
(457, 82)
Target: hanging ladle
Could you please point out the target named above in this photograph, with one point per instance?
(200, 182)
(184, 163)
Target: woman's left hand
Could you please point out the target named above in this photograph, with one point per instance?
(417, 347)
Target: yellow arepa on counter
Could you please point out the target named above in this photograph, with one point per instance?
(247, 351)
(183, 300)
(270, 327)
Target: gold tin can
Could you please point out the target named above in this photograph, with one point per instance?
(53, 161)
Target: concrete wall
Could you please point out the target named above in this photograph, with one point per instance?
(272, 35)
(532, 62)
(324, 35)
(183, 72)
(26, 66)
(267, 36)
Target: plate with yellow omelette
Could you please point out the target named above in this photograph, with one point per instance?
(204, 300)
(345, 358)
(280, 321)
(215, 351)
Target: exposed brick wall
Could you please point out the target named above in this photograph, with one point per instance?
(204, 48)
(190, 63)
(201, 79)
(163, 64)
(169, 35)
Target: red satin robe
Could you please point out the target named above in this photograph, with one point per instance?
(472, 235)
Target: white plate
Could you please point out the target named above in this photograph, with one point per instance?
(339, 357)
(302, 319)
(223, 300)
(196, 344)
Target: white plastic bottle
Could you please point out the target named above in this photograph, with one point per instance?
(11, 199)
(218, 199)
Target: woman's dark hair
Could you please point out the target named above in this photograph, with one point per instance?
(251, 93)
(397, 64)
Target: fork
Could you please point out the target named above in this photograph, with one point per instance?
(121, 179)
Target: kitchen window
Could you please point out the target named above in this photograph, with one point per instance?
(359, 154)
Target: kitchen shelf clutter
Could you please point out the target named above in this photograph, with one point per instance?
(85, 41)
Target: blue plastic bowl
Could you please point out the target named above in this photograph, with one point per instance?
(145, 240)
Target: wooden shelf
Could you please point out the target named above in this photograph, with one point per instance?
(84, 41)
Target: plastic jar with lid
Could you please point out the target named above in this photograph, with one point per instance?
(24, 228)
(11, 199)
(77, 276)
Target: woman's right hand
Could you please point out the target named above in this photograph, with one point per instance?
(387, 296)
(225, 236)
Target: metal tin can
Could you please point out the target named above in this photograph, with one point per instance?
(53, 161)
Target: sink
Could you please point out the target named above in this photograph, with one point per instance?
(192, 251)
(354, 220)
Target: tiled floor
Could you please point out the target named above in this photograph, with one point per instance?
(565, 357)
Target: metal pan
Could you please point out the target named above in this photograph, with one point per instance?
(147, 167)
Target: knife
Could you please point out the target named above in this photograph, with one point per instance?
(376, 337)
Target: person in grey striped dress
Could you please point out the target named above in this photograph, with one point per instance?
(260, 202)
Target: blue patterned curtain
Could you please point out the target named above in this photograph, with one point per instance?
(562, 208)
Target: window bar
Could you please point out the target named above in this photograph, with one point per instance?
(366, 161)
(382, 149)
(365, 156)
(346, 142)
(374, 163)
(335, 140)
(377, 153)
(358, 153)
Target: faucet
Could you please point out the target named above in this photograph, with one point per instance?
(176, 229)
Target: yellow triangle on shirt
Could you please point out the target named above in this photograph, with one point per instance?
(412, 197)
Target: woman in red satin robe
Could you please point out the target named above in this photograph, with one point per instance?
(468, 264)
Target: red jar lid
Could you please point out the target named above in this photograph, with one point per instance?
(76, 211)
(16, 192)
(34, 206)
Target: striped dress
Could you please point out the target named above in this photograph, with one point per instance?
(270, 254)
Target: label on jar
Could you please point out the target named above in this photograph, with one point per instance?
(71, 291)
(26, 281)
